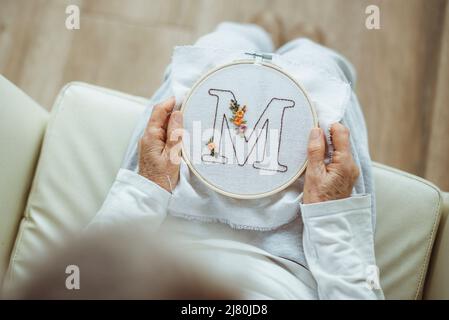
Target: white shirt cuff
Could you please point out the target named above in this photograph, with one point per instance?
(158, 195)
(355, 202)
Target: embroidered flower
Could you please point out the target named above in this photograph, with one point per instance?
(237, 117)
(241, 130)
(238, 121)
(211, 146)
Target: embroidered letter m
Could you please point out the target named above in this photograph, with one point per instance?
(251, 146)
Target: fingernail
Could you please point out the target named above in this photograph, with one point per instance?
(177, 117)
(315, 133)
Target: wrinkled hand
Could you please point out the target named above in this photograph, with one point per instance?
(160, 148)
(336, 180)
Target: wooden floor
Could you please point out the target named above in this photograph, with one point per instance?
(403, 68)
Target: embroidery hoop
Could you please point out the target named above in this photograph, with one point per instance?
(212, 185)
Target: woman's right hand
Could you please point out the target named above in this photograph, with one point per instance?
(160, 146)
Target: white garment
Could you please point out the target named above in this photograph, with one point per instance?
(338, 244)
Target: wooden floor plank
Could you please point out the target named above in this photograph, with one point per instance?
(437, 161)
(122, 56)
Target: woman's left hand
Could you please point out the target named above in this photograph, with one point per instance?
(336, 180)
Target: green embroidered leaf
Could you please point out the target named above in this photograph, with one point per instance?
(211, 139)
(234, 106)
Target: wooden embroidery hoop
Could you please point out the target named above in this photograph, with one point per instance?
(210, 184)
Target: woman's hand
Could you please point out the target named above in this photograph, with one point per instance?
(336, 180)
(160, 147)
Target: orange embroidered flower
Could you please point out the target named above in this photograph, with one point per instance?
(237, 117)
(238, 121)
(240, 114)
(211, 146)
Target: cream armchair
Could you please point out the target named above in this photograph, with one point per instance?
(55, 170)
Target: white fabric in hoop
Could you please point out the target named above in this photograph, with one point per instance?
(257, 148)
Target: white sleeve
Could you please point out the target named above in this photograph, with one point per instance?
(339, 248)
(133, 197)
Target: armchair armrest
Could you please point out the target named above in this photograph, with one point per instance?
(22, 125)
(437, 283)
